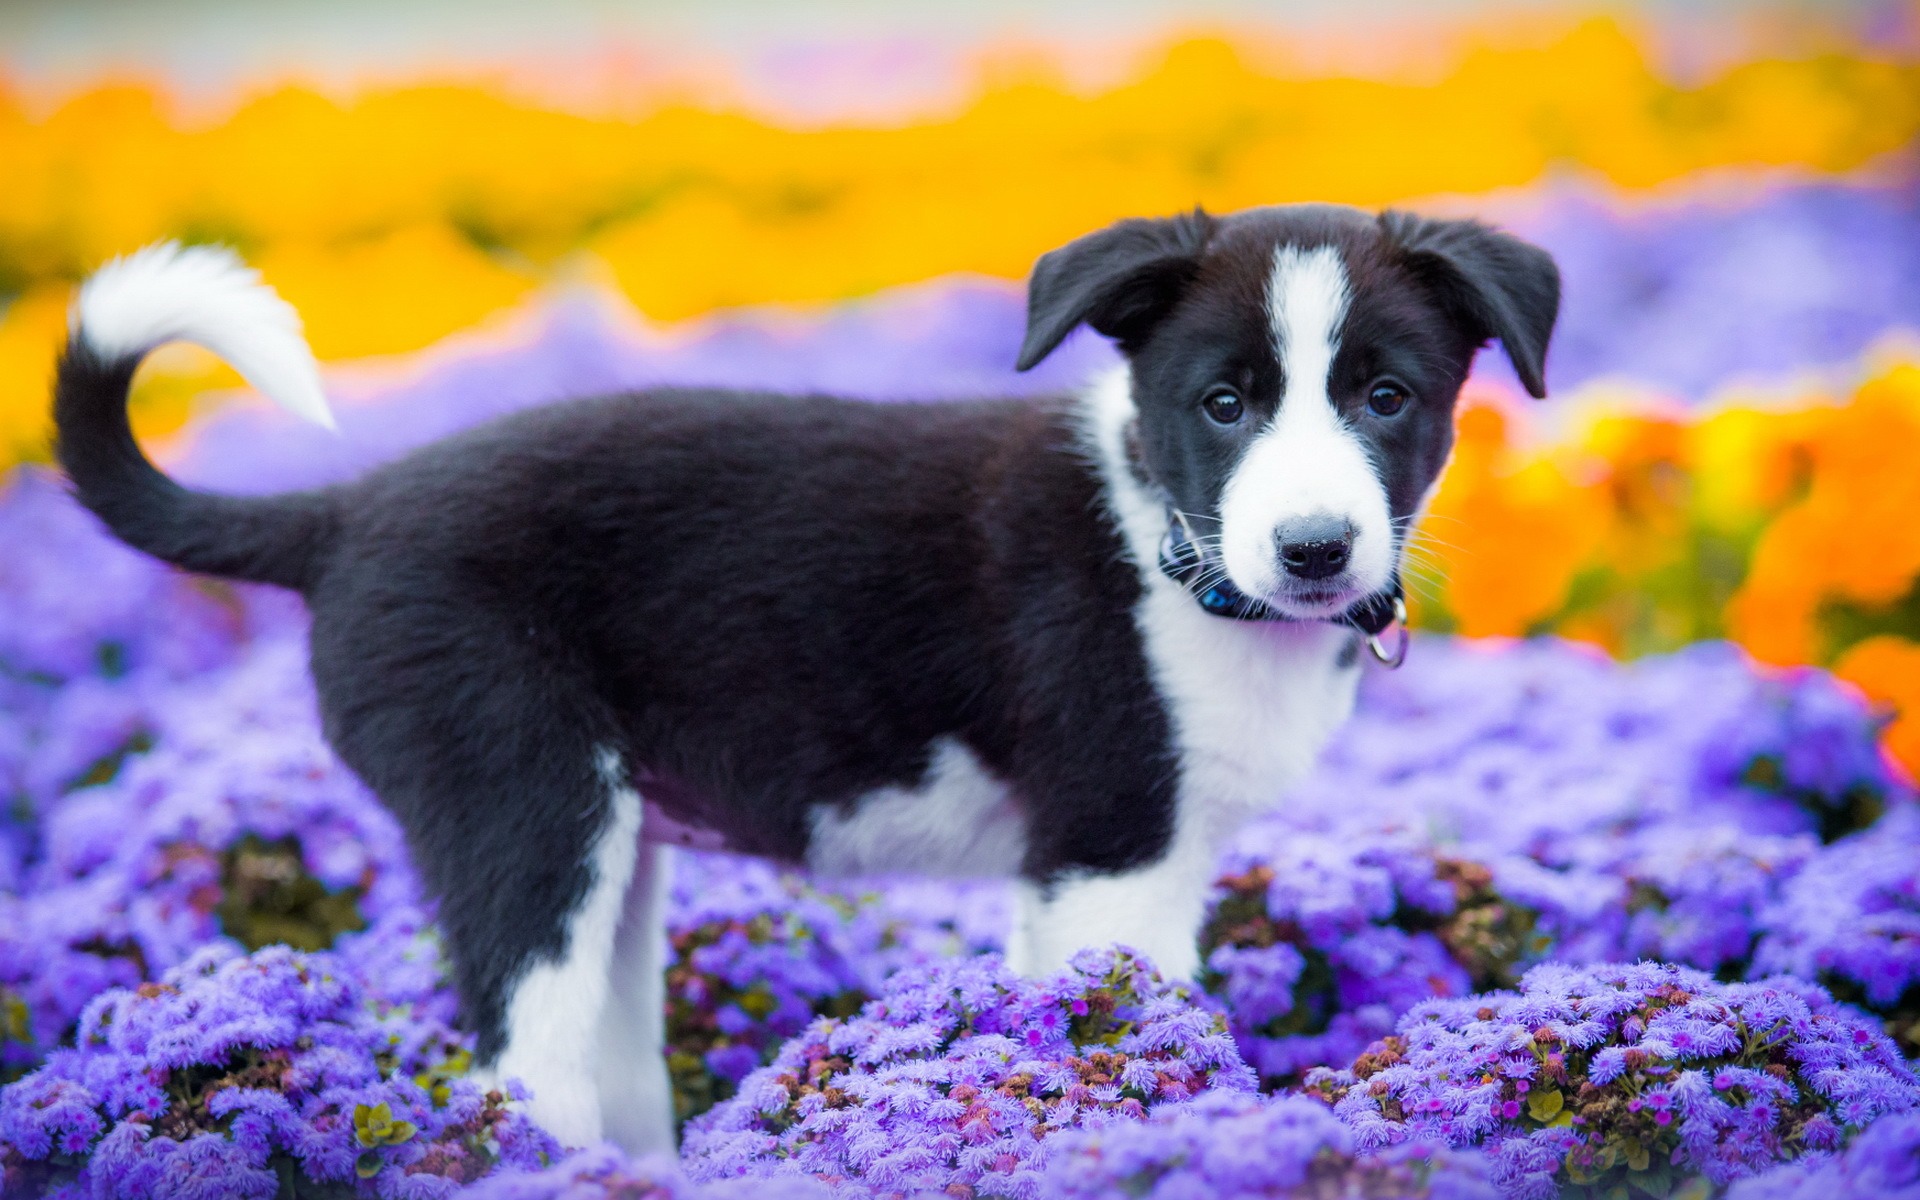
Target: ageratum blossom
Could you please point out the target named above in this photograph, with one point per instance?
(237, 1076)
(1226, 1144)
(1526, 746)
(1573, 809)
(757, 955)
(1851, 919)
(604, 1173)
(229, 822)
(1882, 1163)
(1316, 944)
(1611, 1076)
(961, 1073)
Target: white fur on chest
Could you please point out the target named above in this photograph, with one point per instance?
(958, 821)
(1252, 703)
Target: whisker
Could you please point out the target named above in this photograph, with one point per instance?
(1425, 537)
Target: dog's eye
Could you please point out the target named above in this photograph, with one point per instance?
(1222, 406)
(1387, 398)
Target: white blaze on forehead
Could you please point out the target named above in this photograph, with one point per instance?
(1308, 462)
(1307, 303)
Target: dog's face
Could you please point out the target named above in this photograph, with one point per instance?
(1295, 371)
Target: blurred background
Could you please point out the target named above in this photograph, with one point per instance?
(482, 205)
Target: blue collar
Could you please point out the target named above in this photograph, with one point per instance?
(1187, 565)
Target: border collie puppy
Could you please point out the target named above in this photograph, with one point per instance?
(1075, 641)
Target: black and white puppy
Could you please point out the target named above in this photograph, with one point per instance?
(1076, 642)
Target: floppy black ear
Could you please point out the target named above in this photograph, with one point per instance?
(1120, 281)
(1496, 285)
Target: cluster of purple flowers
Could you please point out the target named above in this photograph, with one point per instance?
(1611, 1076)
(1232, 1144)
(168, 784)
(1851, 918)
(239, 1077)
(1693, 809)
(1536, 746)
(1316, 944)
(757, 955)
(960, 1073)
(603, 1173)
(232, 822)
(1882, 1163)
(151, 724)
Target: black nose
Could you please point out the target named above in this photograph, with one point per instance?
(1315, 547)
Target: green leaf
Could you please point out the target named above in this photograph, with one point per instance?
(1545, 1106)
(367, 1165)
(375, 1126)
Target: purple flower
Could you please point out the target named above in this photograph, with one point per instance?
(937, 1083)
(757, 955)
(1606, 1111)
(603, 1173)
(233, 1069)
(1883, 1163)
(1231, 1144)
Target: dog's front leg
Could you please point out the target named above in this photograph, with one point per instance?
(636, 1095)
(1155, 910)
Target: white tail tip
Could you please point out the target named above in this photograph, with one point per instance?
(205, 295)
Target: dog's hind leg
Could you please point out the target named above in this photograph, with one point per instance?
(636, 1097)
(558, 1002)
(505, 770)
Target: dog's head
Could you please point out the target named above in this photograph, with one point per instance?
(1295, 370)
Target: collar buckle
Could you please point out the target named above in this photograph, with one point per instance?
(1392, 660)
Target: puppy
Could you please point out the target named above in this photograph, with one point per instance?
(1076, 642)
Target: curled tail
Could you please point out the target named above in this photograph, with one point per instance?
(205, 295)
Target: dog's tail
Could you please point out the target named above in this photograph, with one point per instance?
(205, 295)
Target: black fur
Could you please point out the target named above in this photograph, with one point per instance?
(766, 603)
(1120, 281)
(1492, 284)
(269, 539)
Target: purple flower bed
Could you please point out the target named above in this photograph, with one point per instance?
(1851, 919)
(960, 1073)
(1690, 293)
(1572, 810)
(1231, 1144)
(603, 1173)
(1883, 1163)
(1625, 1076)
(240, 1077)
(758, 955)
